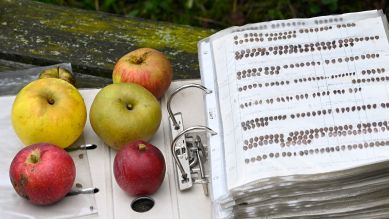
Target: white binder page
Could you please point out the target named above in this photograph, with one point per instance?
(306, 96)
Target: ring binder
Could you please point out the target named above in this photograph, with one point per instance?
(185, 176)
(193, 128)
(188, 151)
(174, 121)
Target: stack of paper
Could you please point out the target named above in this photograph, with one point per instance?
(301, 108)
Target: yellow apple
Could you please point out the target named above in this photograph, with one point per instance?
(58, 72)
(49, 110)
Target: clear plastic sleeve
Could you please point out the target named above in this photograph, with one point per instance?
(12, 205)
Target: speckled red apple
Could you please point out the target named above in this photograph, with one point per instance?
(42, 173)
(147, 67)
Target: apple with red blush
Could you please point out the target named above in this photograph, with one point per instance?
(42, 173)
(139, 168)
(147, 67)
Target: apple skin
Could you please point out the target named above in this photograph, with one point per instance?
(42, 173)
(49, 110)
(124, 112)
(147, 67)
(139, 168)
(58, 72)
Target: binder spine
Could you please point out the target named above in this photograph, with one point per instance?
(208, 76)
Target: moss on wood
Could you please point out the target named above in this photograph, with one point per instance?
(37, 33)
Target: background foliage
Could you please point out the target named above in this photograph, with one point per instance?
(219, 14)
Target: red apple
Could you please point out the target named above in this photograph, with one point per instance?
(147, 67)
(139, 168)
(42, 173)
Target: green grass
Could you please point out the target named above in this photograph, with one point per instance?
(220, 14)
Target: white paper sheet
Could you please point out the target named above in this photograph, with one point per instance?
(12, 205)
(337, 65)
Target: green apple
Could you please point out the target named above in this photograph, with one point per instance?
(49, 110)
(124, 112)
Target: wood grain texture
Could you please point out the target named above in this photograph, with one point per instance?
(42, 34)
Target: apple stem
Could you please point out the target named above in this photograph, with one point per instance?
(34, 156)
(138, 60)
(129, 106)
(142, 147)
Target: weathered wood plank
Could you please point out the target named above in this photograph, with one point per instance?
(43, 34)
(6, 65)
(15, 75)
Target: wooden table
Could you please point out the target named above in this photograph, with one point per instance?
(38, 34)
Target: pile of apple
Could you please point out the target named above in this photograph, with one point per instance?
(49, 115)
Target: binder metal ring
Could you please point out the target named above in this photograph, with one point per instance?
(169, 110)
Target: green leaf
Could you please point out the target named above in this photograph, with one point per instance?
(133, 13)
(314, 9)
(189, 4)
(332, 4)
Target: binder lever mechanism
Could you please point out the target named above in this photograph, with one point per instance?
(185, 181)
(188, 150)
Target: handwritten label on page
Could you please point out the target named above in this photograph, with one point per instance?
(307, 97)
